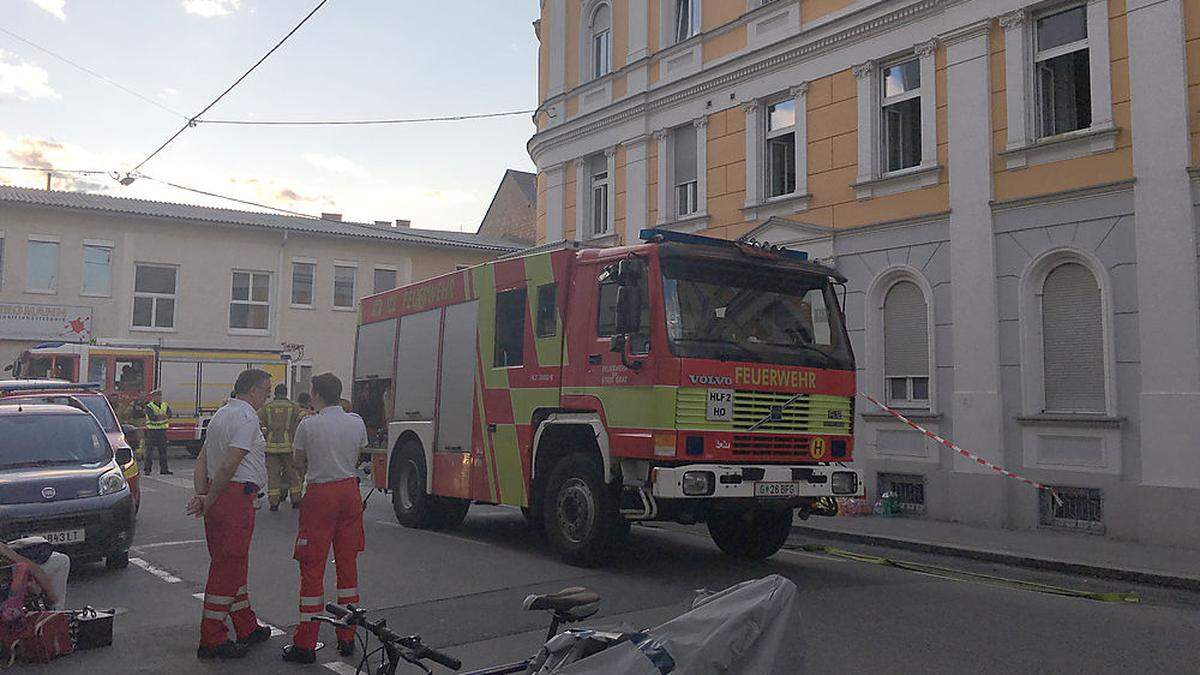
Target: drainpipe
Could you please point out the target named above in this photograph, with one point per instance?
(279, 314)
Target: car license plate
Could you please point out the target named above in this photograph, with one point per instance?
(719, 407)
(64, 536)
(782, 489)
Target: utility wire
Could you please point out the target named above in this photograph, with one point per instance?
(331, 123)
(41, 170)
(195, 118)
(207, 193)
(93, 73)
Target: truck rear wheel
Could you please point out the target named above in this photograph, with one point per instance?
(751, 535)
(414, 507)
(579, 512)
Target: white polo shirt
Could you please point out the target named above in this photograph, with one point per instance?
(331, 440)
(236, 425)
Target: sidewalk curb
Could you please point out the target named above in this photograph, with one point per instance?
(1021, 560)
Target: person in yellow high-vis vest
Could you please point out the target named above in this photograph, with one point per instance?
(158, 415)
(279, 420)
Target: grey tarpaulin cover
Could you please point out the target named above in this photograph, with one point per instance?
(750, 628)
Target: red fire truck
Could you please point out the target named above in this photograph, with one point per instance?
(686, 378)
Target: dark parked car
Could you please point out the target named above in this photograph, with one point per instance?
(60, 478)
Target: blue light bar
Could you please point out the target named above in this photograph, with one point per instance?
(698, 240)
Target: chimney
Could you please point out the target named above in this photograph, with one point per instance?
(337, 217)
(383, 223)
(403, 223)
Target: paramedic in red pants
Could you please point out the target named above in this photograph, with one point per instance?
(327, 446)
(230, 470)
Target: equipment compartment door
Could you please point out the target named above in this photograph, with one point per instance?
(416, 365)
(456, 402)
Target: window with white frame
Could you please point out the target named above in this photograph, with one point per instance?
(154, 296)
(685, 19)
(900, 110)
(781, 148)
(250, 301)
(385, 279)
(41, 271)
(1062, 79)
(683, 141)
(598, 200)
(343, 285)
(1072, 341)
(97, 269)
(600, 31)
(906, 346)
(303, 280)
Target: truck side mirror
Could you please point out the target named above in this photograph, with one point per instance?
(629, 309)
(617, 343)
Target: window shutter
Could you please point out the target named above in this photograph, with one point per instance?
(684, 140)
(905, 331)
(1072, 341)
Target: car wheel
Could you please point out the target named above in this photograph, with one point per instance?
(751, 535)
(117, 561)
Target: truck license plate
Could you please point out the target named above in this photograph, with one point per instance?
(720, 405)
(63, 536)
(788, 489)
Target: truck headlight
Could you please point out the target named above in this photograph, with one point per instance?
(699, 483)
(111, 481)
(844, 483)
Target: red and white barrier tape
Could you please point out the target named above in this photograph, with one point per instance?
(964, 453)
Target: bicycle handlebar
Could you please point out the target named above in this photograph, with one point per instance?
(353, 616)
(337, 610)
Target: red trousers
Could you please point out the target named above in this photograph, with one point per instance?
(331, 514)
(228, 526)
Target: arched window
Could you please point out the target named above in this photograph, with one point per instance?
(1072, 341)
(906, 345)
(601, 36)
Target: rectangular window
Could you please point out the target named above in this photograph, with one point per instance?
(154, 296)
(510, 328)
(343, 285)
(547, 310)
(781, 148)
(385, 279)
(683, 140)
(97, 269)
(606, 316)
(303, 276)
(1062, 73)
(599, 205)
(98, 370)
(601, 53)
(42, 266)
(250, 303)
(687, 19)
(901, 109)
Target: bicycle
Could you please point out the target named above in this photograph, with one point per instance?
(567, 606)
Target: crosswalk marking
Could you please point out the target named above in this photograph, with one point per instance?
(161, 574)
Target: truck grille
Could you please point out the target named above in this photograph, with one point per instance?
(810, 414)
(764, 445)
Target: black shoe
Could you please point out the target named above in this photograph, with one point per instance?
(166, 472)
(260, 634)
(274, 507)
(294, 654)
(346, 647)
(149, 468)
(295, 505)
(225, 650)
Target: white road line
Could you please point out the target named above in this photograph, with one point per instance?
(161, 544)
(185, 483)
(341, 667)
(436, 534)
(161, 574)
(814, 556)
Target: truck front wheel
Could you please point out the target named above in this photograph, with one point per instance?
(579, 512)
(751, 535)
(414, 507)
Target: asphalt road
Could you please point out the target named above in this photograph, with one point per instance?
(463, 590)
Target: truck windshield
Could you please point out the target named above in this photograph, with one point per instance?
(43, 440)
(751, 313)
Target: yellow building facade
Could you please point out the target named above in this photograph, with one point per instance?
(1007, 185)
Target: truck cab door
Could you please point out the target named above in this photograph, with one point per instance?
(605, 368)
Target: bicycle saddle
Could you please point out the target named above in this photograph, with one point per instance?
(562, 601)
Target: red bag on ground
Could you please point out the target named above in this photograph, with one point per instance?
(44, 637)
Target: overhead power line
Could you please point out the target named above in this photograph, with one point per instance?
(89, 71)
(238, 200)
(195, 118)
(45, 170)
(333, 123)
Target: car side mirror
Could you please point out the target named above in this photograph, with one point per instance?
(128, 430)
(124, 456)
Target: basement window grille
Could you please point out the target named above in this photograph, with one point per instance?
(1081, 510)
(909, 490)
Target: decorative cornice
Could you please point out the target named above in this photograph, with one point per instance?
(610, 152)
(968, 32)
(1013, 19)
(863, 70)
(926, 48)
(700, 122)
(799, 91)
(662, 135)
(750, 107)
(580, 162)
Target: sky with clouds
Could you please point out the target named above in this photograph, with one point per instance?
(354, 59)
